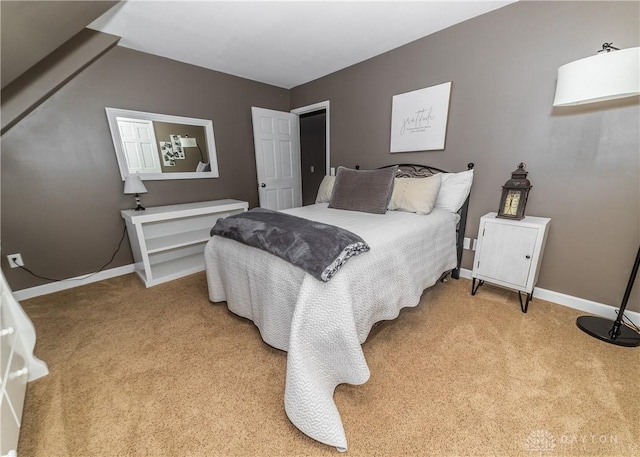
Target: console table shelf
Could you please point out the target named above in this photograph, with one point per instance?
(168, 242)
(176, 241)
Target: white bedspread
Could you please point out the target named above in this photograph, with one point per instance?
(322, 325)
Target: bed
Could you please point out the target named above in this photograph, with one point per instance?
(322, 325)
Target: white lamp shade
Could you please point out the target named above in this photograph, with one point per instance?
(188, 142)
(133, 185)
(605, 76)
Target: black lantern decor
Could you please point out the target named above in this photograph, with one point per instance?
(514, 195)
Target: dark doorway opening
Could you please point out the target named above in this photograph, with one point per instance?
(313, 147)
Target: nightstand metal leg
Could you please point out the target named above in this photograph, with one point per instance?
(474, 288)
(526, 303)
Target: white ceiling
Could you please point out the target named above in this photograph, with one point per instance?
(283, 43)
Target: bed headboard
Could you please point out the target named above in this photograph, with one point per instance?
(410, 170)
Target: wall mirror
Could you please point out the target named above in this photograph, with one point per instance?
(161, 146)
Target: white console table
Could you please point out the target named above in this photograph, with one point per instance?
(168, 241)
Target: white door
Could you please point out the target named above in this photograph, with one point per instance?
(276, 136)
(139, 145)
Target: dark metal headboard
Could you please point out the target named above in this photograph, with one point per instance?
(410, 170)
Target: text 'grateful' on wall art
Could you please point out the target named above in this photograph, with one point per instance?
(419, 119)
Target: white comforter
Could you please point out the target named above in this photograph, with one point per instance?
(322, 325)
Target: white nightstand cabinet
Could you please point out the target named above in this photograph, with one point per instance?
(168, 242)
(17, 366)
(509, 253)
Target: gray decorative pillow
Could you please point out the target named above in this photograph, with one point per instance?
(368, 191)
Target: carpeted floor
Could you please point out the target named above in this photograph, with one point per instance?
(164, 372)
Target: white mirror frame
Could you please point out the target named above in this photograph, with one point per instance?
(114, 113)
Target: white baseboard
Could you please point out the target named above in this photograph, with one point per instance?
(592, 307)
(70, 283)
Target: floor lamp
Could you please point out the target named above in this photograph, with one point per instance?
(610, 74)
(614, 332)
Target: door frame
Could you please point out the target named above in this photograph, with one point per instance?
(320, 106)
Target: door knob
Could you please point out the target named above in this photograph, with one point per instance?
(263, 185)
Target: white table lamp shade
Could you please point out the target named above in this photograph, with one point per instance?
(133, 185)
(605, 76)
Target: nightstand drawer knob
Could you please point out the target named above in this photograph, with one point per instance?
(528, 256)
(19, 373)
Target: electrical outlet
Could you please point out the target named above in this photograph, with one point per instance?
(467, 243)
(15, 260)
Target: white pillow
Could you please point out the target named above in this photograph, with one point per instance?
(326, 189)
(454, 190)
(416, 195)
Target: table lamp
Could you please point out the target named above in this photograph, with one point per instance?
(133, 186)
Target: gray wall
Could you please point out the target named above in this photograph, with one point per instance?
(46, 77)
(584, 163)
(61, 189)
(40, 27)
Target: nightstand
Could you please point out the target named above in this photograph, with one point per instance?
(509, 254)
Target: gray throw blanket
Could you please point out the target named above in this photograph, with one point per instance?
(319, 249)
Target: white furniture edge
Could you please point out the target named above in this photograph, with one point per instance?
(26, 333)
(159, 213)
(582, 304)
(599, 309)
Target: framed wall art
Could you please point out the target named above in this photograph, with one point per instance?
(419, 119)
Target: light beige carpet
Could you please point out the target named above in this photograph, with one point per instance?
(164, 372)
